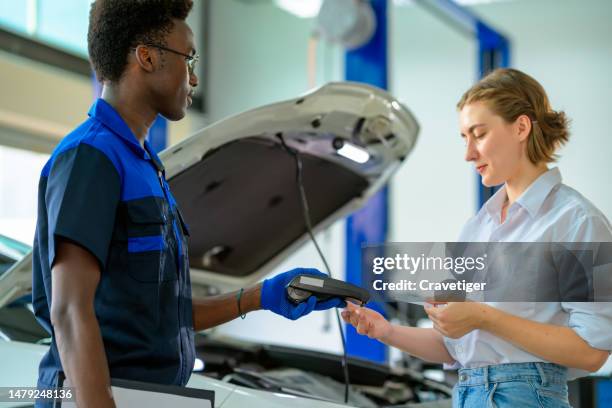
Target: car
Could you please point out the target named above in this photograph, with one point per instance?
(239, 183)
(11, 251)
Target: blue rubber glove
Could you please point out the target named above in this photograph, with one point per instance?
(274, 296)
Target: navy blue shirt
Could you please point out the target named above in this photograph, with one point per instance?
(101, 190)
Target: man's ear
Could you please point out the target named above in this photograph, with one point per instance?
(146, 59)
(523, 124)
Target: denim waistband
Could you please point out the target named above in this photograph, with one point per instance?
(543, 373)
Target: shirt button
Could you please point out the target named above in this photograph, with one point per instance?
(459, 349)
(463, 377)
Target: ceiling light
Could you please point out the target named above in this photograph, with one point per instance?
(459, 2)
(300, 8)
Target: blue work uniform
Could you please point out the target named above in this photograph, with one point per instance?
(102, 191)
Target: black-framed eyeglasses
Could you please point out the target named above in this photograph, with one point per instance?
(190, 59)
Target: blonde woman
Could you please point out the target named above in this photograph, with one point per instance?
(512, 354)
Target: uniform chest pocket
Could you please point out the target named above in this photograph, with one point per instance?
(148, 246)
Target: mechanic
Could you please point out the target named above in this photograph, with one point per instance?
(513, 354)
(111, 271)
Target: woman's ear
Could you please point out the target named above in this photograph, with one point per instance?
(523, 126)
(145, 58)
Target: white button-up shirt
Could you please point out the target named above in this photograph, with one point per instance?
(548, 211)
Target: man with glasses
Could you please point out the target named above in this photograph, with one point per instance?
(191, 59)
(110, 265)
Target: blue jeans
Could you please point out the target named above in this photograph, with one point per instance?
(524, 385)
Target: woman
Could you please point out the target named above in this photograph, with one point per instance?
(512, 354)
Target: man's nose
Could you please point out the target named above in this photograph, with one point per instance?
(193, 80)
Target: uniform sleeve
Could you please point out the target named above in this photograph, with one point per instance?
(593, 320)
(83, 192)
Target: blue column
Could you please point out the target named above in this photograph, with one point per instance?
(493, 52)
(603, 391)
(367, 64)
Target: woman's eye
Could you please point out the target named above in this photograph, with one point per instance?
(479, 136)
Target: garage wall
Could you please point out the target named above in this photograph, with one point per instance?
(38, 105)
(431, 65)
(258, 54)
(40, 101)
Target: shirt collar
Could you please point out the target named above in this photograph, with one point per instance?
(150, 154)
(109, 117)
(531, 199)
(494, 204)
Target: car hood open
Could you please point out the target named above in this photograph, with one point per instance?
(236, 182)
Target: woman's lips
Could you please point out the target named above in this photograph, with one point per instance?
(481, 169)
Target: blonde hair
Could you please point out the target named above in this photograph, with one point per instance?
(511, 93)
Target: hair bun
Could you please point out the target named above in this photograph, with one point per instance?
(555, 128)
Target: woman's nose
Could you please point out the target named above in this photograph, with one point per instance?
(470, 151)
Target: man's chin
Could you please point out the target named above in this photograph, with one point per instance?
(175, 115)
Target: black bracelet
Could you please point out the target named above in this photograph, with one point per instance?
(238, 297)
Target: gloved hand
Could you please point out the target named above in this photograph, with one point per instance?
(274, 296)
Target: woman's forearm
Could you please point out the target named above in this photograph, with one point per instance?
(426, 344)
(557, 344)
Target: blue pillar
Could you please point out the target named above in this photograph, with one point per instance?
(493, 52)
(367, 64)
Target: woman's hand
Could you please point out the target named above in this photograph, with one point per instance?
(456, 319)
(367, 321)
(424, 343)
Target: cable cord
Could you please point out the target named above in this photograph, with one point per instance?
(307, 221)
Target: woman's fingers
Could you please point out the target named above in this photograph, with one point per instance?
(345, 316)
(367, 326)
(364, 322)
(440, 330)
(432, 313)
(349, 313)
(356, 318)
(351, 307)
(360, 319)
(351, 318)
(362, 325)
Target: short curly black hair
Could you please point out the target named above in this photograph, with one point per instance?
(116, 26)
